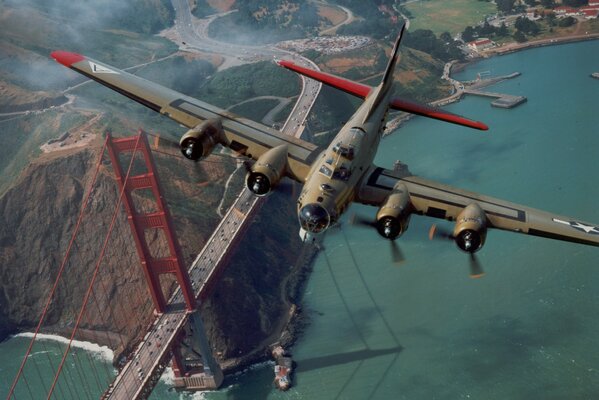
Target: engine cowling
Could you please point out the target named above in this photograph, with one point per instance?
(199, 141)
(393, 217)
(267, 171)
(471, 229)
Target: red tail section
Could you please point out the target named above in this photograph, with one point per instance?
(361, 90)
(351, 87)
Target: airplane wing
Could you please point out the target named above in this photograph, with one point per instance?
(442, 201)
(245, 136)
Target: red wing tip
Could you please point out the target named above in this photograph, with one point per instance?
(481, 126)
(66, 58)
(284, 63)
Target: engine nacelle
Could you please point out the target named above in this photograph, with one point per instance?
(471, 229)
(267, 171)
(393, 217)
(199, 141)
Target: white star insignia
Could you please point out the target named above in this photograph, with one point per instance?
(586, 228)
(579, 226)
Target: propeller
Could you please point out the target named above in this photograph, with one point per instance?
(163, 143)
(476, 269)
(396, 253)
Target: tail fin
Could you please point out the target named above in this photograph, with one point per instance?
(388, 77)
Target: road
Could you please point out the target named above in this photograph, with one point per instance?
(349, 18)
(194, 33)
(147, 361)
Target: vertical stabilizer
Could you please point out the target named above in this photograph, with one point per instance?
(388, 77)
(387, 82)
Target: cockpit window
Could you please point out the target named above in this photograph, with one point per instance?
(343, 173)
(326, 171)
(344, 150)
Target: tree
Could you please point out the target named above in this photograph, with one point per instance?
(565, 22)
(505, 5)
(519, 37)
(502, 31)
(575, 3)
(551, 19)
(486, 29)
(446, 37)
(548, 3)
(468, 34)
(531, 3)
(527, 26)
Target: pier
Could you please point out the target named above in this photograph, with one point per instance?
(503, 100)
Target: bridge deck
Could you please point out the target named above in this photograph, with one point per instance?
(148, 360)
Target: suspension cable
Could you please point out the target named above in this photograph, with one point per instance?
(60, 271)
(96, 269)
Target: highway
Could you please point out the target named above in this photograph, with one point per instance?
(194, 33)
(147, 361)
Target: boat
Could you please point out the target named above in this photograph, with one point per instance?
(283, 368)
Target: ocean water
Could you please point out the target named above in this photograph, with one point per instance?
(425, 330)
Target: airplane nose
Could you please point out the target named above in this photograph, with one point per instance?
(314, 218)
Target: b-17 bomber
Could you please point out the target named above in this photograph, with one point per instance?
(344, 172)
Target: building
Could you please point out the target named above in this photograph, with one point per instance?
(481, 44)
(594, 3)
(590, 13)
(564, 11)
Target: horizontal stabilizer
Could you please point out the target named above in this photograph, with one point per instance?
(361, 90)
(348, 86)
(435, 113)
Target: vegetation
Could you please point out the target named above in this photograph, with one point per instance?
(266, 21)
(486, 30)
(251, 80)
(527, 26)
(255, 110)
(378, 20)
(447, 16)
(566, 22)
(505, 6)
(575, 3)
(202, 9)
(180, 74)
(26, 63)
(282, 115)
(381, 28)
(141, 16)
(445, 49)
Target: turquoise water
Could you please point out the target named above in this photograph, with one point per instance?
(425, 330)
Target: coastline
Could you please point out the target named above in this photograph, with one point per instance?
(291, 323)
(514, 47)
(296, 320)
(395, 123)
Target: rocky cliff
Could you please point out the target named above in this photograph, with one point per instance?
(37, 218)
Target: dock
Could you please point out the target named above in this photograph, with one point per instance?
(503, 100)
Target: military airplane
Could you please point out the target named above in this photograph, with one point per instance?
(344, 172)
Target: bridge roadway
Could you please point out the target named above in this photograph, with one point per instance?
(149, 358)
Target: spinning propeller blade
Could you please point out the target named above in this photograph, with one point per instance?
(436, 233)
(396, 253)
